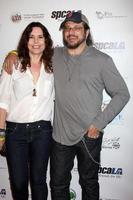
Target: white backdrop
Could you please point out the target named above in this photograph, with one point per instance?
(112, 30)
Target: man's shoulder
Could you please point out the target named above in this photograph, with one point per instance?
(58, 52)
(98, 53)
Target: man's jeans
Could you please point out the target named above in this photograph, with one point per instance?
(62, 162)
(28, 147)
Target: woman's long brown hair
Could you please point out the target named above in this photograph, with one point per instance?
(23, 51)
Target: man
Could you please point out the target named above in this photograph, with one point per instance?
(81, 74)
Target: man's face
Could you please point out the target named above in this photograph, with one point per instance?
(74, 34)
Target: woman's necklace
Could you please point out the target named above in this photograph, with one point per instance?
(34, 94)
(35, 71)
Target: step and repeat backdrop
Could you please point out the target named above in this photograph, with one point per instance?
(112, 30)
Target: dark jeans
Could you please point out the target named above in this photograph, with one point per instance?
(28, 147)
(62, 162)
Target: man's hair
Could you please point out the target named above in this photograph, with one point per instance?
(89, 40)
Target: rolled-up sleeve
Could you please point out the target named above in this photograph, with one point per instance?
(5, 90)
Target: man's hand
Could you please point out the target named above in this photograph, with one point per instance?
(10, 60)
(93, 132)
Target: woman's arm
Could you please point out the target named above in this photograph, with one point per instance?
(5, 91)
(3, 114)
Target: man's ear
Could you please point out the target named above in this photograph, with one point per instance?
(87, 33)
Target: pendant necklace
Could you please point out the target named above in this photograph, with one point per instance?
(35, 76)
(34, 94)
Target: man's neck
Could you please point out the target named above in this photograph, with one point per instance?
(77, 51)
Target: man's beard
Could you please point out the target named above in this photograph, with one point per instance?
(74, 46)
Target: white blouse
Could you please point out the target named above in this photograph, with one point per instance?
(25, 101)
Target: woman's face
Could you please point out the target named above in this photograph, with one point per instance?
(36, 43)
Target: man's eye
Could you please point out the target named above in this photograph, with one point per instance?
(76, 28)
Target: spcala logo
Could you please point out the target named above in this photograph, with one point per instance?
(110, 45)
(16, 17)
(110, 170)
(72, 194)
(59, 14)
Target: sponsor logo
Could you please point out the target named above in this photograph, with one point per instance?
(106, 14)
(111, 143)
(110, 45)
(33, 16)
(110, 172)
(61, 14)
(3, 193)
(16, 17)
(72, 194)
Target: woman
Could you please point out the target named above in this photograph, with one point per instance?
(26, 110)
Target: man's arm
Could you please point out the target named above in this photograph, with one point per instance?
(116, 87)
(10, 60)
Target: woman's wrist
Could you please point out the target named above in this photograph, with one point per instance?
(2, 139)
(2, 133)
